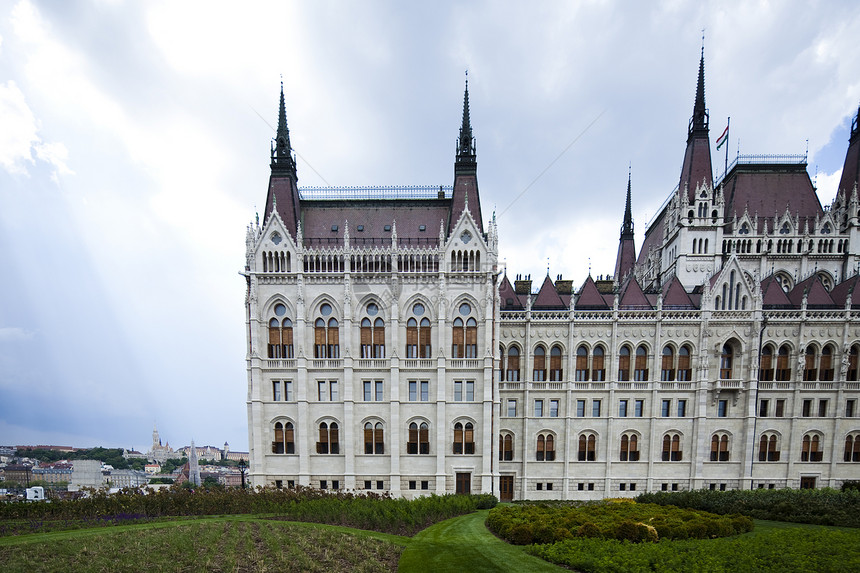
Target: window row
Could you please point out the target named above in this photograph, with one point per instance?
(374, 391)
(776, 365)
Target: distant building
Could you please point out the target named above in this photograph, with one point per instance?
(86, 473)
(127, 478)
(157, 452)
(152, 469)
(19, 473)
(54, 473)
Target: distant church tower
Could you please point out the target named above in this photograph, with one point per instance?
(193, 467)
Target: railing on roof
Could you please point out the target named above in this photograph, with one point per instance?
(661, 208)
(763, 159)
(376, 192)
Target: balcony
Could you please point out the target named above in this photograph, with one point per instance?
(418, 364)
(465, 364)
(728, 384)
(280, 364)
(327, 363)
(372, 364)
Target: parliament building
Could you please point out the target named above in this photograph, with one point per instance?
(387, 350)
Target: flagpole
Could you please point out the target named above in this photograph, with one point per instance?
(728, 124)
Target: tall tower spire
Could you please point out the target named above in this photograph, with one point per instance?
(283, 192)
(851, 168)
(697, 170)
(626, 258)
(282, 156)
(466, 160)
(699, 121)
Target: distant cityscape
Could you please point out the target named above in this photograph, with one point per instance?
(69, 469)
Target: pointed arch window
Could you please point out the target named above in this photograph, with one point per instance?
(810, 372)
(810, 449)
(280, 337)
(555, 371)
(512, 374)
(825, 365)
(539, 366)
(726, 362)
(685, 372)
(640, 373)
(374, 442)
(624, 364)
(326, 335)
(852, 448)
(783, 371)
(667, 369)
(765, 369)
(581, 363)
(598, 368)
(506, 447)
(464, 438)
(545, 448)
(587, 450)
(328, 438)
(284, 439)
(672, 448)
(418, 338)
(720, 447)
(629, 447)
(852, 363)
(372, 338)
(768, 448)
(419, 439)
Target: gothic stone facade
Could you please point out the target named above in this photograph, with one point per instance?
(385, 351)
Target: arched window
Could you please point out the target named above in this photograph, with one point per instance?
(555, 371)
(326, 335)
(513, 371)
(501, 363)
(624, 364)
(418, 338)
(459, 339)
(373, 438)
(506, 447)
(640, 373)
(629, 447)
(328, 442)
(685, 373)
(471, 338)
(852, 363)
(464, 438)
(809, 370)
(598, 369)
(811, 448)
(667, 369)
(783, 371)
(372, 338)
(825, 366)
(768, 448)
(765, 369)
(419, 439)
(672, 448)
(284, 439)
(587, 448)
(726, 359)
(720, 447)
(852, 448)
(539, 367)
(280, 335)
(545, 448)
(581, 364)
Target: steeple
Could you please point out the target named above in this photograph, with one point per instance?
(851, 168)
(696, 170)
(465, 143)
(283, 192)
(626, 258)
(465, 195)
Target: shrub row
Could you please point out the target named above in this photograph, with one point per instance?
(816, 506)
(527, 524)
(795, 549)
(365, 510)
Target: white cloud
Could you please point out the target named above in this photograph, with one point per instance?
(14, 333)
(20, 130)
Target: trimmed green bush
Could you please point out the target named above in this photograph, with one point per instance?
(633, 522)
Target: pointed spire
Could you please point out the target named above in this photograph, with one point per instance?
(699, 121)
(696, 170)
(627, 225)
(282, 156)
(626, 258)
(851, 168)
(466, 142)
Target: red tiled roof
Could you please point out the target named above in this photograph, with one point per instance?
(318, 218)
(626, 258)
(772, 294)
(507, 293)
(547, 296)
(697, 166)
(675, 297)
(465, 184)
(816, 294)
(633, 297)
(281, 189)
(767, 190)
(848, 287)
(589, 298)
(653, 237)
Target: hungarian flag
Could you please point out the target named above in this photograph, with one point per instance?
(722, 139)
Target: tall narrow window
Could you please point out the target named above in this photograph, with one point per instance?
(555, 372)
(852, 448)
(783, 372)
(419, 441)
(767, 448)
(667, 368)
(598, 370)
(276, 390)
(328, 439)
(464, 438)
(624, 364)
(719, 448)
(622, 408)
(672, 448)
(539, 368)
(278, 444)
(809, 370)
(280, 336)
(765, 371)
(581, 363)
(471, 338)
(513, 366)
(825, 366)
(726, 359)
(811, 448)
(852, 363)
(629, 448)
(459, 339)
(506, 447)
(545, 448)
(587, 448)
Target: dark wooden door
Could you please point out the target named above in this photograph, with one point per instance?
(464, 483)
(807, 482)
(506, 488)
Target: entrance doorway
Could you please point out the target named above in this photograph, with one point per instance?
(506, 488)
(464, 483)
(807, 482)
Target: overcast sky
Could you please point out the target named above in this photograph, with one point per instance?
(134, 151)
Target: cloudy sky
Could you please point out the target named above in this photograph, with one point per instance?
(134, 142)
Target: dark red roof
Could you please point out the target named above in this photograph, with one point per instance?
(547, 297)
(768, 190)
(633, 297)
(772, 294)
(465, 185)
(589, 298)
(653, 237)
(851, 167)
(816, 295)
(283, 191)
(850, 287)
(675, 297)
(508, 297)
(626, 258)
(697, 166)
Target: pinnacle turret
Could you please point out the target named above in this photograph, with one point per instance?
(282, 152)
(466, 160)
(627, 225)
(699, 121)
